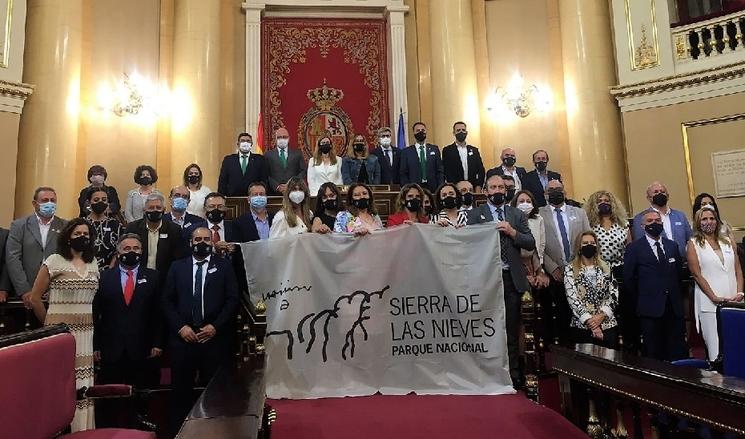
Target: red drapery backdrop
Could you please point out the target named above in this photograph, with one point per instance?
(323, 77)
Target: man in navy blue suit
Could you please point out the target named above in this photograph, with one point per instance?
(388, 157)
(178, 215)
(421, 163)
(241, 169)
(199, 302)
(652, 274)
(255, 224)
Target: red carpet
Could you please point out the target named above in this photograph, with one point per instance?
(419, 417)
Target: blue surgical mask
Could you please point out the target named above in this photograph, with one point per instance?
(179, 204)
(47, 209)
(258, 202)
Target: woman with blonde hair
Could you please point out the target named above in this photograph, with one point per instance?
(592, 294)
(608, 219)
(324, 166)
(712, 260)
(360, 166)
(295, 216)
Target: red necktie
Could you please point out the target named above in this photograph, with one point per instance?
(129, 288)
(215, 234)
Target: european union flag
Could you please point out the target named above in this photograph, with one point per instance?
(401, 138)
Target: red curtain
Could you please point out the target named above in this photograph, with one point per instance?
(302, 56)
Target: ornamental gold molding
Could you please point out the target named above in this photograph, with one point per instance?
(18, 90)
(646, 55)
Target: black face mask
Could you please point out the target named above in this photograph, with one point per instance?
(541, 166)
(193, 179)
(80, 243)
(325, 148)
(215, 215)
(154, 216)
(654, 229)
(659, 199)
(145, 181)
(201, 249)
(331, 204)
(589, 251)
(509, 195)
(420, 137)
(99, 208)
(450, 202)
(556, 197)
(468, 198)
(362, 203)
(461, 137)
(509, 161)
(604, 209)
(497, 199)
(359, 147)
(130, 259)
(413, 205)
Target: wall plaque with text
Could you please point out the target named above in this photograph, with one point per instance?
(729, 173)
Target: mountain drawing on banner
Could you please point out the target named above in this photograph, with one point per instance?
(326, 118)
(314, 323)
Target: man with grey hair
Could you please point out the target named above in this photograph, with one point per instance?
(674, 222)
(162, 241)
(387, 157)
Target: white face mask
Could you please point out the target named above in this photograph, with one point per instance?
(282, 143)
(385, 141)
(97, 179)
(244, 147)
(297, 197)
(525, 207)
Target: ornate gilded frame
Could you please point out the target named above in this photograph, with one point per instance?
(639, 62)
(6, 26)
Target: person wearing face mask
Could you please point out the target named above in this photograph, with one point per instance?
(31, 240)
(592, 294)
(97, 178)
(712, 260)
(295, 216)
(179, 214)
(421, 163)
(461, 161)
(324, 166)
(361, 216)
(199, 301)
(327, 207)
(514, 236)
(161, 240)
(428, 204)
(71, 278)
(510, 188)
(449, 203)
(128, 330)
(197, 191)
(708, 201)
(283, 163)
(388, 157)
(508, 167)
(533, 259)
(360, 166)
(241, 169)
(536, 181)
(106, 230)
(652, 271)
(564, 224)
(146, 177)
(409, 207)
(466, 191)
(255, 224)
(674, 222)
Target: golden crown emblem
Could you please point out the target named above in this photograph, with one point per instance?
(324, 97)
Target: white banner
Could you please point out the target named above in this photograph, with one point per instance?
(415, 308)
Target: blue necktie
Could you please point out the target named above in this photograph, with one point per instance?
(563, 231)
(502, 240)
(196, 305)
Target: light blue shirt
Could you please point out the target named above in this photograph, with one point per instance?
(494, 209)
(123, 274)
(262, 226)
(544, 179)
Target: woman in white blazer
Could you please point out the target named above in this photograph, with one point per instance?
(533, 259)
(324, 166)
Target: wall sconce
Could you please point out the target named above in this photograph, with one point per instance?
(520, 100)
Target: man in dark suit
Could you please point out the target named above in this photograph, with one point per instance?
(199, 302)
(421, 163)
(462, 161)
(508, 167)
(255, 224)
(283, 163)
(5, 285)
(161, 240)
(514, 236)
(652, 272)
(536, 181)
(178, 215)
(128, 334)
(388, 157)
(241, 169)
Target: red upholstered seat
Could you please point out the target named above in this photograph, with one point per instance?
(110, 433)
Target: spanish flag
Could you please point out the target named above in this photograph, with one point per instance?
(259, 149)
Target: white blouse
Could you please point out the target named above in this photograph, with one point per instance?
(196, 201)
(281, 229)
(323, 173)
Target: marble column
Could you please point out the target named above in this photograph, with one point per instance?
(397, 65)
(253, 68)
(195, 122)
(454, 81)
(49, 124)
(593, 122)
